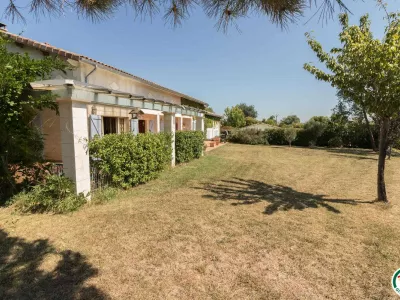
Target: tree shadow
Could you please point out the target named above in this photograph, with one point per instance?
(358, 157)
(280, 198)
(24, 271)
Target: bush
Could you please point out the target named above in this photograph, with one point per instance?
(56, 194)
(131, 160)
(335, 142)
(276, 136)
(290, 135)
(251, 136)
(188, 145)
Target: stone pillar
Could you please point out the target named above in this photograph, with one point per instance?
(158, 124)
(199, 124)
(169, 126)
(74, 137)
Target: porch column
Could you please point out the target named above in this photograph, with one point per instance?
(199, 124)
(169, 126)
(158, 124)
(180, 123)
(74, 137)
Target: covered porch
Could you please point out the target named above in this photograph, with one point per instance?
(86, 111)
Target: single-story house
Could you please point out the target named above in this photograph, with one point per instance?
(96, 99)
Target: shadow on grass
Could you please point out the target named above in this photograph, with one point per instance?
(23, 274)
(279, 197)
(358, 157)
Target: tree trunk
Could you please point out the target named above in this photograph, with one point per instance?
(371, 135)
(383, 142)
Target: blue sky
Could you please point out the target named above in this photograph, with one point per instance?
(261, 65)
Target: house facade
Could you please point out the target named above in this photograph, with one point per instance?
(98, 99)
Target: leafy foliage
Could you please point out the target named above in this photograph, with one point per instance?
(21, 143)
(290, 135)
(188, 145)
(251, 121)
(366, 70)
(335, 142)
(248, 110)
(270, 121)
(279, 11)
(289, 121)
(249, 136)
(316, 127)
(131, 160)
(234, 117)
(56, 194)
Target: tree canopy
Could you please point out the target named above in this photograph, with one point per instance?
(248, 110)
(281, 12)
(290, 120)
(366, 70)
(234, 117)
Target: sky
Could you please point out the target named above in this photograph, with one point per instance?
(262, 65)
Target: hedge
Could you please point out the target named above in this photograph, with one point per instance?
(188, 145)
(354, 136)
(251, 136)
(130, 160)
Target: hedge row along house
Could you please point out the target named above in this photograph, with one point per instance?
(97, 99)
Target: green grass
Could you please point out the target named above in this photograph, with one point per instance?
(243, 222)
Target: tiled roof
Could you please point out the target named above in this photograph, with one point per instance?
(75, 56)
(211, 114)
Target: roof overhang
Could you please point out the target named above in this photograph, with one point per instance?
(68, 89)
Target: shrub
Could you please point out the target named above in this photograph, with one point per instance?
(251, 121)
(290, 135)
(335, 142)
(251, 136)
(188, 145)
(131, 160)
(276, 136)
(56, 194)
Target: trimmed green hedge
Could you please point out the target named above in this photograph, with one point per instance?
(251, 136)
(130, 160)
(188, 145)
(354, 136)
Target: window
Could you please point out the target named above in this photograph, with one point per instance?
(110, 125)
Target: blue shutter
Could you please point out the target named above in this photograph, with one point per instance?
(135, 126)
(95, 126)
(151, 125)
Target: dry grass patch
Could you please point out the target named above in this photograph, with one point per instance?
(244, 222)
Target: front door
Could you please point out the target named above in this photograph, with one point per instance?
(142, 126)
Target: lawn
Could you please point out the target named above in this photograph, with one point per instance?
(244, 222)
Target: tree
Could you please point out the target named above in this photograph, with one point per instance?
(366, 70)
(21, 143)
(316, 127)
(280, 12)
(251, 121)
(234, 117)
(270, 121)
(290, 135)
(289, 120)
(359, 113)
(248, 110)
